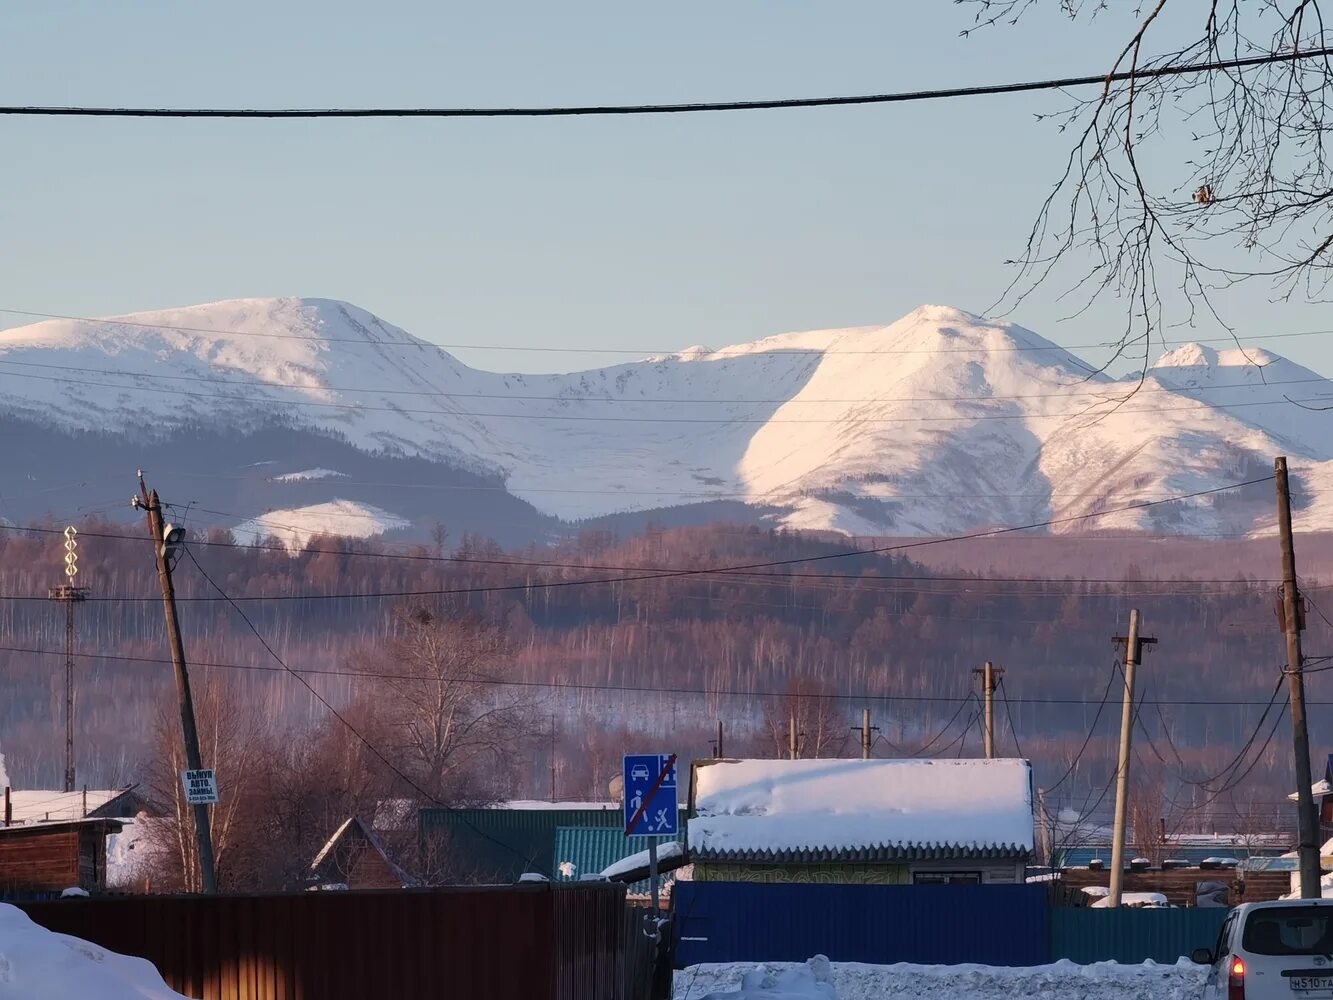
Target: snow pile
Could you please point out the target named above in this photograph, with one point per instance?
(852, 981)
(811, 981)
(1134, 899)
(36, 964)
(795, 805)
(295, 527)
(668, 852)
(305, 474)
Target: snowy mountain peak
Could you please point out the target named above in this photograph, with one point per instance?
(939, 422)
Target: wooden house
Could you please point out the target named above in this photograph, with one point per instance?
(52, 857)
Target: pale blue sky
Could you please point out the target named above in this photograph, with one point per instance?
(643, 234)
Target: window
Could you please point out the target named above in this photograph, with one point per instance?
(946, 878)
(1290, 930)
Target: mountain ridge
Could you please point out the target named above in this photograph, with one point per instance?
(938, 423)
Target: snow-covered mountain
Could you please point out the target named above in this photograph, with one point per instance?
(286, 414)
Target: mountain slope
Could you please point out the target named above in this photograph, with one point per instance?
(938, 423)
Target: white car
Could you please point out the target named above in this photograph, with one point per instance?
(1273, 951)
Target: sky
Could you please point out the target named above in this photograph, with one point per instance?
(649, 233)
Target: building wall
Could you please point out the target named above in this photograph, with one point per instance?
(1011, 872)
(39, 860)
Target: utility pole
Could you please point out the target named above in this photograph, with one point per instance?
(1133, 653)
(866, 730)
(1044, 828)
(1291, 612)
(552, 756)
(793, 747)
(717, 747)
(158, 532)
(69, 595)
(990, 678)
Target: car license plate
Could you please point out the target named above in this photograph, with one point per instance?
(1311, 984)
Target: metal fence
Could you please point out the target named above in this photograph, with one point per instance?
(877, 924)
(1130, 934)
(503, 943)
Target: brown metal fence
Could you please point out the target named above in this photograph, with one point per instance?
(520, 942)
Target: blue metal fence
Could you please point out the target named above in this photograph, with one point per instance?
(878, 924)
(1086, 935)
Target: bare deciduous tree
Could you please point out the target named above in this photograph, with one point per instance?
(438, 713)
(820, 730)
(1179, 184)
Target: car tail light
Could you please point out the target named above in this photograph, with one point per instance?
(1236, 980)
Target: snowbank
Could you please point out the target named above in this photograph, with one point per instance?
(665, 852)
(1104, 981)
(36, 964)
(811, 981)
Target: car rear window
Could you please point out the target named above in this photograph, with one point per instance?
(1289, 930)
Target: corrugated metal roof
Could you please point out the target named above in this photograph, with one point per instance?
(591, 851)
(499, 845)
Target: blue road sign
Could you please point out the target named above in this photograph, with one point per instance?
(651, 778)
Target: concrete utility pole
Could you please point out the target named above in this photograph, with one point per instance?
(1133, 653)
(1044, 828)
(866, 730)
(990, 679)
(1291, 611)
(157, 532)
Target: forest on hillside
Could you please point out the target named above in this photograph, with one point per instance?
(605, 645)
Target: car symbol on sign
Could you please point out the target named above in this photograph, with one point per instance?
(639, 772)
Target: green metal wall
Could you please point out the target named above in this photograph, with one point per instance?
(1130, 934)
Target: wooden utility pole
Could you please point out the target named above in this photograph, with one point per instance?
(156, 531)
(1133, 653)
(990, 678)
(1292, 614)
(717, 749)
(792, 747)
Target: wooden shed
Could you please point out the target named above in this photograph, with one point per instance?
(52, 857)
(354, 858)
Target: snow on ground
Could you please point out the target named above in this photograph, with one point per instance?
(811, 981)
(36, 964)
(1061, 981)
(759, 805)
(296, 526)
(306, 474)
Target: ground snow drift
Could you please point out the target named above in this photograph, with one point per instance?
(852, 981)
(811, 981)
(36, 964)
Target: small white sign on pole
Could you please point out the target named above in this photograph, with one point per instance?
(201, 787)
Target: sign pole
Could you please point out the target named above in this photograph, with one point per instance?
(652, 877)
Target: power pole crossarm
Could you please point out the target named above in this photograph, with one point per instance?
(156, 531)
(1292, 622)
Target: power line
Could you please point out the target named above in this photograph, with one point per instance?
(1088, 410)
(1092, 729)
(1008, 711)
(703, 692)
(765, 564)
(983, 90)
(1105, 389)
(740, 351)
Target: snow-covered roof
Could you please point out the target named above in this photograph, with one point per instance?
(1320, 789)
(39, 805)
(544, 804)
(812, 810)
(353, 826)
